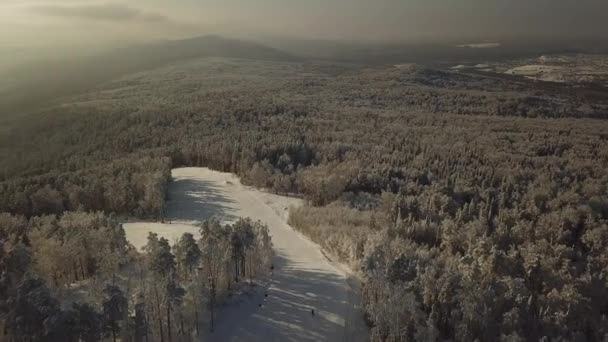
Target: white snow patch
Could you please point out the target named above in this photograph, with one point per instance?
(480, 45)
(547, 73)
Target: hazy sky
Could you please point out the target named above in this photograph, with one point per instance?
(50, 21)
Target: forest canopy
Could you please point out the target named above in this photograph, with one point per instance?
(478, 205)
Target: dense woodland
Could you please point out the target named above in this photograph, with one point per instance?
(76, 278)
(475, 208)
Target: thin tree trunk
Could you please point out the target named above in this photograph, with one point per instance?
(169, 321)
(146, 324)
(160, 321)
(181, 324)
(251, 275)
(236, 270)
(212, 304)
(75, 270)
(212, 318)
(114, 331)
(196, 320)
(82, 269)
(243, 267)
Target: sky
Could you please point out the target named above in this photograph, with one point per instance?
(31, 22)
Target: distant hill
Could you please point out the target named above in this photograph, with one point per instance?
(215, 46)
(36, 85)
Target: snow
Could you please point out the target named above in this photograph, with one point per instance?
(405, 65)
(539, 72)
(480, 45)
(303, 278)
(532, 69)
(137, 232)
(477, 66)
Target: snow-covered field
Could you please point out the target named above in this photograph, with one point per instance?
(303, 279)
(570, 68)
(547, 73)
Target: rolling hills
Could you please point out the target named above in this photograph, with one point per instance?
(34, 86)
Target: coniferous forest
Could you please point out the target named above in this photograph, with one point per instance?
(473, 208)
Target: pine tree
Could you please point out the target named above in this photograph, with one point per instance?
(115, 308)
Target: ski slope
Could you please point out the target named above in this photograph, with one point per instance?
(304, 279)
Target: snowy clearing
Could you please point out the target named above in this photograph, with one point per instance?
(546, 73)
(303, 280)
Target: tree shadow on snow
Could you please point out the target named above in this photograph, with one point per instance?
(198, 200)
(285, 315)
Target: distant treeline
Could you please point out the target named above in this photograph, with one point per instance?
(135, 187)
